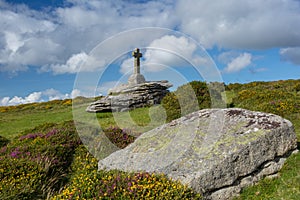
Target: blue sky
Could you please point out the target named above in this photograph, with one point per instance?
(45, 44)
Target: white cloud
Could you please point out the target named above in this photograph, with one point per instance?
(33, 97)
(167, 51)
(37, 38)
(238, 63)
(170, 51)
(16, 100)
(291, 55)
(227, 56)
(126, 66)
(78, 17)
(248, 24)
(4, 101)
(53, 94)
(13, 41)
(75, 93)
(72, 65)
(24, 38)
(46, 95)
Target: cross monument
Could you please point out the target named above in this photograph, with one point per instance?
(137, 55)
(136, 77)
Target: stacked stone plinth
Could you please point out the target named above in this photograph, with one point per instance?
(129, 96)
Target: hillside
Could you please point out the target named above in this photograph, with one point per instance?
(42, 156)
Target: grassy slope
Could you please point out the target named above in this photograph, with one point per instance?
(16, 119)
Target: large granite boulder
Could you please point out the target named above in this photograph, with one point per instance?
(217, 152)
(130, 96)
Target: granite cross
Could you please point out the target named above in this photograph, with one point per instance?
(136, 54)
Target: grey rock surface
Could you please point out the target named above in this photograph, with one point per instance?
(217, 152)
(130, 96)
(136, 79)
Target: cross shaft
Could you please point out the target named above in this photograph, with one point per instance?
(137, 55)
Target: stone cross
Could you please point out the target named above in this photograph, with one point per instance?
(137, 55)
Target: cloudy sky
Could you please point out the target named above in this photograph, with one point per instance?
(46, 46)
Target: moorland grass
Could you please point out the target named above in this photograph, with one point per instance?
(285, 187)
(279, 97)
(50, 161)
(15, 119)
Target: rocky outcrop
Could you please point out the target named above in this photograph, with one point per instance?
(130, 96)
(217, 152)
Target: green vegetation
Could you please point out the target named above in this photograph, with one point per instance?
(86, 182)
(285, 187)
(41, 155)
(186, 99)
(35, 165)
(50, 161)
(137, 120)
(277, 100)
(14, 119)
(281, 98)
(3, 141)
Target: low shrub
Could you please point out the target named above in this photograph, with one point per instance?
(35, 165)
(287, 85)
(279, 101)
(3, 109)
(67, 102)
(50, 161)
(233, 86)
(40, 106)
(171, 104)
(88, 183)
(120, 138)
(297, 87)
(3, 141)
(186, 99)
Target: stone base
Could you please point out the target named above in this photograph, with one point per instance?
(127, 97)
(136, 79)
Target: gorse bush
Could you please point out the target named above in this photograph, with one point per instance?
(88, 183)
(297, 87)
(171, 104)
(120, 185)
(186, 99)
(3, 141)
(50, 161)
(54, 104)
(287, 85)
(273, 97)
(35, 165)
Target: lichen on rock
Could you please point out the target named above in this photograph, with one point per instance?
(217, 152)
